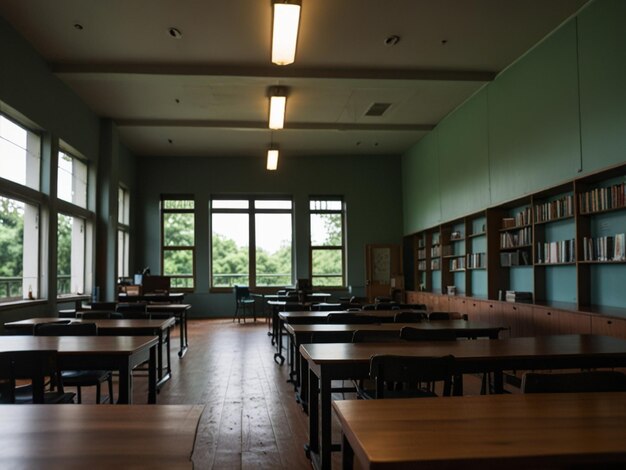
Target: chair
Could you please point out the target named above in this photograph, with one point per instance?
(447, 316)
(35, 366)
(133, 310)
(589, 381)
(413, 307)
(376, 336)
(102, 315)
(409, 317)
(106, 306)
(386, 306)
(413, 372)
(418, 334)
(350, 319)
(79, 378)
(368, 307)
(332, 337)
(243, 301)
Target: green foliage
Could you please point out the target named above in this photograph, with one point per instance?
(11, 236)
(179, 229)
(64, 245)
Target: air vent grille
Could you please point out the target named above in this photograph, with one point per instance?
(377, 109)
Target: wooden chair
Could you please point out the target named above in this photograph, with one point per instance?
(418, 334)
(37, 367)
(589, 381)
(79, 378)
(243, 301)
(410, 317)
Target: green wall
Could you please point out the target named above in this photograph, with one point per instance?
(555, 114)
(370, 186)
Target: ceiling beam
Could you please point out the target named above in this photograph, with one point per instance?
(262, 125)
(275, 72)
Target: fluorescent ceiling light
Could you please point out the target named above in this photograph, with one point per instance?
(285, 33)
(277, 112)
(272, 159)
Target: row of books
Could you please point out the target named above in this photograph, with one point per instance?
(512, 239)
(435, 251)
(435, 264)
(421, 243)
(600, 199)
(562, 251)
(563, 207)
(421, 253)
(605, 248)
(519, 296)
(457, 264)
(521, 218)
(421, 265)
(476, 260)
(515, 258)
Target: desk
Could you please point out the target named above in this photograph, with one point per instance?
(351, 361)
(179, 311)
(148, 327)
(96, 436)
(172, 298)
(121, 353)
(302, 333)
(567, 430)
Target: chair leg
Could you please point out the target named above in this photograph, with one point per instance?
(98, 398)
(79, 395)
(110, 388)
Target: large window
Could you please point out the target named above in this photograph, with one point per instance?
(178, 241)
(327, 241)
(20, 150)
(123, 232)
(251, 242)
(72, 180)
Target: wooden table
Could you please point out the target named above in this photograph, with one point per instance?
(302, 334)
(98, 437)
(567, 430)
(344, 361)
(148, 327)
(121, 353)
(179, 311)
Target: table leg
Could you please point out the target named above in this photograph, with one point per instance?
(347, 454)
(279, 344)
(313, 446)
(152, 390)
(125, 383)
(183, 334)
(163, 377)
(326, 423)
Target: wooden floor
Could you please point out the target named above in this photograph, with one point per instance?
(251, 419)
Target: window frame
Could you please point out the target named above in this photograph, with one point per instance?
(251, 211)
(123, 228)
(342, 247)
(192, 248)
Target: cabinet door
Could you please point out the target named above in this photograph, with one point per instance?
(546, 321)
(441, 303)
(475, 311)
(458, 304)
(574, 323)
(521, 318)
(492, 311)
(608, 326)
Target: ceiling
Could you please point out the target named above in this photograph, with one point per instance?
(205, 94)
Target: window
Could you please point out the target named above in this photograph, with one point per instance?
(72, 180)
(20, 150)
(178, 241)
(70, 255)
(327, 238)
(123, 232)
(251, 242)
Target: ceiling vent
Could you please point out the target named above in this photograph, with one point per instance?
(377, 109)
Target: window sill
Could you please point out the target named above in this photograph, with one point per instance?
(13, 304)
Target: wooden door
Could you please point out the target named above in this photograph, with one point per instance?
(382, 264)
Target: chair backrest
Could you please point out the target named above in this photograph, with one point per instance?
(7, 379)
(410, 370)
(376, 336)
(447, 316)
(241, 292)
(73, 329)
(35, 366)
(103, 306)
(418, 334)
(592, 381)
(409, 317)
(350, 319)
(294, 307)
(332, 337)
(326, 307)
(132, 307)
(386, 306)
(368, 307)
(102, 315)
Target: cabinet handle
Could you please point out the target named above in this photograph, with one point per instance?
(609, 322)
(549, 313)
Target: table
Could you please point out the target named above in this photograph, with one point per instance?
(179, 311)
(345, 361)
(569, 430)
(302, 333)
(121, 353)
(96, 436)
(148, 327)
(172, 298)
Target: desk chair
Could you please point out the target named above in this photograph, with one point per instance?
(79, 378)
(574, 382)
(35, 366)
(417, 374)
(447, 316)
(243, 300)
(106, 306)
(133, 310)
(409, 317)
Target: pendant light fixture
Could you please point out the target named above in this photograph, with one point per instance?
(278, 102)
(272, 158)
(285, 30)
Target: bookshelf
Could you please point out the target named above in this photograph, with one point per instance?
(565, 244)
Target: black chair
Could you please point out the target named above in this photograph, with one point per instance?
(79, 378)
(332, 337)
(386, 306)
(368, 307)
(350, 319)
(35, 366)
(106, 306)
(418, 334)
(294, 307)
(409, 317)
(589, 381)
(102, 315)
(243, 301)
(376, 336)
(413, 307)
(133, 310)
(447, 316)
(417, 374)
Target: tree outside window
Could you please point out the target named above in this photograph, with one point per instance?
(178, 241)
(327, 242)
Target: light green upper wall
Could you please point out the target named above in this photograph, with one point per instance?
(558, 112)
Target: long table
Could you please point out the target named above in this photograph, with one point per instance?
(567, 430)
(344, 361)
(179, 311)
(303, 333)
(120, 353)
(98, 437)
(139, 327)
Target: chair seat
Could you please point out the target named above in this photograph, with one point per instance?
(75, 378)
(24, 396)
(370, 393)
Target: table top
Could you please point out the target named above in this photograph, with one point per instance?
(165, 307)
(507, 431)
(97, 436)
(425, 325)
(558, 346)
(69, 345)
(286, 316)
(104, 324)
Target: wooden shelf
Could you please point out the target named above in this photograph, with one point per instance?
(569, 263)
(513, 248)
(605, 211)
(567, 217)
(601, 262)
(517, 227)
(478, 234)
